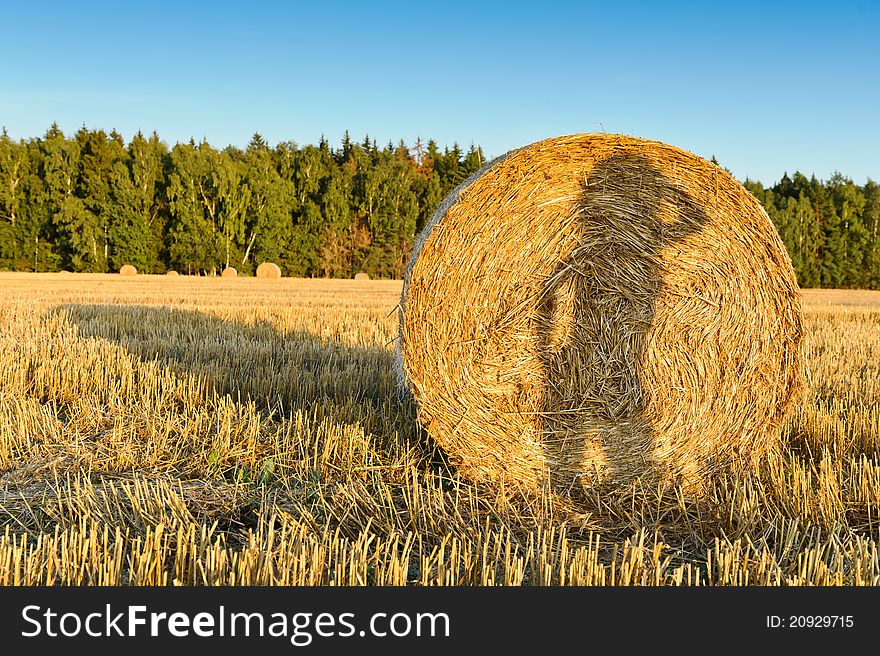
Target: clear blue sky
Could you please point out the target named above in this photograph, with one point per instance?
(795, 85)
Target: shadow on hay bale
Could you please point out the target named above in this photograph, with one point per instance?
(609, 309)
(591, 320)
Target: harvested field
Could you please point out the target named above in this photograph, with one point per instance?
(203, 431)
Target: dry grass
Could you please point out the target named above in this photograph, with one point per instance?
(594, 308)
(202, 431)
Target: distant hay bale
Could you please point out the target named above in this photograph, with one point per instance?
(362, 276)
(127, 270)
(229, 272)
(594, 308)
(172, 272)
(268, 270)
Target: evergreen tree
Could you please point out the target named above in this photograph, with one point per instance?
(39, 251)
(98, 156)
(146, 164)
(871, 221)
(849, 203)
(832, 254)
(130, 240)
(76, 229)
(473, 161)
(257, 143)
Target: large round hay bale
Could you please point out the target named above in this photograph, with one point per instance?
(362, 276)
(229, 272)
(594, 308)
(171, 272)
(268, 270)
(127, 270)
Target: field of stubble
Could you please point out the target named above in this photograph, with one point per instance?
(211, 431)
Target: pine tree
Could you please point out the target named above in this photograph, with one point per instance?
(76, 228)
(849, 203)
(473, 161)
(147, 163)
(832, 253)
(129, 237)
(257, 143)
(98, 156)
(346, 148)
(871, 221)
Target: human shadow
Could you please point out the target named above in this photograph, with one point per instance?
(593, 320)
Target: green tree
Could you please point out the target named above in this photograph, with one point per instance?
(267, 217)
(129, 237)
(871, 221)
(99, 154)
(14, 169)
(230, 202)
(849, 203)
(193, 240)
(832, 253)
(77, 231)
(146, 164)
(390, 209)
(308, 170)
(473, 161)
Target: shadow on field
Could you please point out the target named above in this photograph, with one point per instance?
(278, 370)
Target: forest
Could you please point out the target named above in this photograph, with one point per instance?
(92, 202)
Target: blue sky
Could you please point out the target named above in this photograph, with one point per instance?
(767, 89)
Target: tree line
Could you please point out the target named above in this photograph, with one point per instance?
(829, 228)
(92, 203)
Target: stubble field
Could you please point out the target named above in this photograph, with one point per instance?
(186, 430)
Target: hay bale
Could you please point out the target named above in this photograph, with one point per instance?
(172, 272)
(594, 308)
(269, 271)
(362, 276)
(229, 272)
(127, 270)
